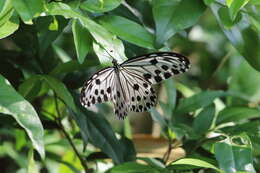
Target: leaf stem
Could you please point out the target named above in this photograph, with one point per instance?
(58, 121)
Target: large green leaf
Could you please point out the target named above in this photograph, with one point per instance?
(204, 119)
(232, 157)
(95, 128)
(128, 30)
(193, 162)
(82, 40)
(23, 112)
(242, 36)
(245, 81)
(133, 167)
(95, 6)
(6, 11)
(235, 6)
(27, 9)
(236, 114)
(197, 101)
(107, 41)
(173, 16)
(9, 27)
(60, 89)
(46, 36)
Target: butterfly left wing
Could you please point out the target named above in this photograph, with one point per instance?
(98, 88)
(155, 67)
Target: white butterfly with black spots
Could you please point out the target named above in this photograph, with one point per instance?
(129, 85)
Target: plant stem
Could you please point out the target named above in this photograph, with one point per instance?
(58, 121)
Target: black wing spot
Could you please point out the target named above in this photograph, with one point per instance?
(93, 101)
(97, 81)
(146, 92)
(145, 85)
(109, 90)
(147, 76)
(148, 105)
(165, 67)
(99, 99)
(105, 97)
(133, 107)
(152, 98)
(157, 71)
(133, 99)
(153, 61)
(167, 75)
(175, 71)
(96, 91)
(158, 78)
(118, 94)
(136, 86)
(102, 91)
(140, 107)
(138, 98)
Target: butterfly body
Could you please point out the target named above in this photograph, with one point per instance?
(129, 84)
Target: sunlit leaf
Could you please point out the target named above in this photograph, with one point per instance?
(22, 111)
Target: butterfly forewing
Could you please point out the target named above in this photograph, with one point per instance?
(156, 67)
(98, 88)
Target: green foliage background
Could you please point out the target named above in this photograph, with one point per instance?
(49, 48)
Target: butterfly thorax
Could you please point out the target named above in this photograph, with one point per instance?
(115, 63)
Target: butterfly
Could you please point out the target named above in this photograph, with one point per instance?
(129, 84)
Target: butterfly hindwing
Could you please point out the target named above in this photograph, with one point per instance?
(98, 88)
(156, 67)
(140, 96)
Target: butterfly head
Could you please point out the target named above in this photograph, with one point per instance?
(115, 62)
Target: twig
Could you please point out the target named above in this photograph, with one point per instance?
(168, 152)
(58, 120)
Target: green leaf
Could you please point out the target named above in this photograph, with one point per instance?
(245, 81)
(242, 36)
(173, 16)
(32, 166)
(197, 101)
(236, 6)
(156, 116)
(133, 167)
(71, 66)
(204, 119)
(128, 30)
(104, 39)
(31, 88)
(82, 40)
(6, 11)
(195, 162)
(9, 27)
(227, 21)
(46, 36)
(60, 89)
(99, 6)
(94, 128)
(22, 111)
(232, 157)
(236, 114)
(28, 9)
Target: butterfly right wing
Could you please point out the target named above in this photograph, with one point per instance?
(98, 88)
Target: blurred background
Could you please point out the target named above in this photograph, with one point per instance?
(50, 48)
